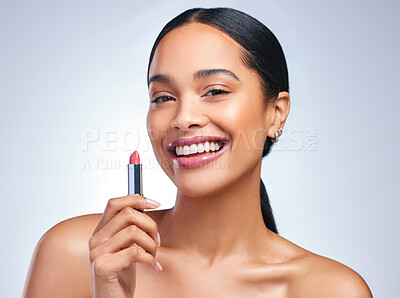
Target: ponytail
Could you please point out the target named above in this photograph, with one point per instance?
(265, 205)
(266, 209)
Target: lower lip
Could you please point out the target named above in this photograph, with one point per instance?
(189, 162)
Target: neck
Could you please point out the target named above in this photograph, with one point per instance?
(218, 226)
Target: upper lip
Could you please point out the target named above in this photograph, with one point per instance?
(195, 140)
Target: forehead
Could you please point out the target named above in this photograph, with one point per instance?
(193, 47)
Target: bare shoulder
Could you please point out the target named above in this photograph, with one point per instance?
(60, 264)
(312, 275)
(323, 277)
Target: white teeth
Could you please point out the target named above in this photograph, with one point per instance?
(198, 148)
(178, 150)
(186, 150)
(212, 146)
(207, 146)
(193, 149)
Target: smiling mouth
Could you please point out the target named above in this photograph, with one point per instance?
(197, 149)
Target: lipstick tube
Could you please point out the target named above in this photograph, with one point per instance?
(135, 181)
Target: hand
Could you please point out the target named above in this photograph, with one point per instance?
(123, 237)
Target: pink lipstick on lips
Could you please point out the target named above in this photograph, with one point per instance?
(200, 158)
(135, 181)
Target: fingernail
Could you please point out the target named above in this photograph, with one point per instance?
(153, 203)
(158, 239)
(158, 266)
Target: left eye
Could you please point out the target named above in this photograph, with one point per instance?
(215, 92)
(163, 98)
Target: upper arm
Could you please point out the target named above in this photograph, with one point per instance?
(60, 264)
(356, 287)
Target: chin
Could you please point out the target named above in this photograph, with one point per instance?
(193, 190)
(202, 184)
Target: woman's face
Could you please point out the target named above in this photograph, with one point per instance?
(200, 91)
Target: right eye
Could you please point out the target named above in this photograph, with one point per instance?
(163, 98)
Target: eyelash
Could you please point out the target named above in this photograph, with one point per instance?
(219, 92)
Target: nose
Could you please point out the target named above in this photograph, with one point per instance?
(188, 115)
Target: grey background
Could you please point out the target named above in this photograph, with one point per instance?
(73, 71)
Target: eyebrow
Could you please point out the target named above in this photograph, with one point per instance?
(213, 72)
(198, 75)
(160, 78)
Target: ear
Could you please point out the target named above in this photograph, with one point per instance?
(277, 113)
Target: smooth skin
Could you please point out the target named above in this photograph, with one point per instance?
(214, 242)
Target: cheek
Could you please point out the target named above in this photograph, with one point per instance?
(245, 121)
(156, 127)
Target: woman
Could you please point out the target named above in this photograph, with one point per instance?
(218, 87)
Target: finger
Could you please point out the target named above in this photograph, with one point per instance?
(125, 238)
(126, 217)
(113, 264)
(115, 205)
